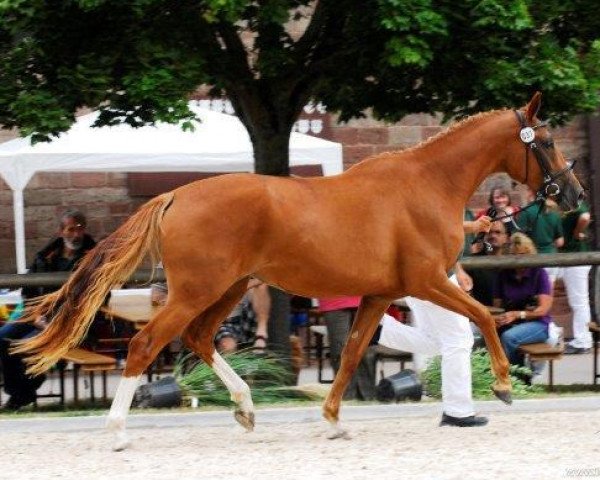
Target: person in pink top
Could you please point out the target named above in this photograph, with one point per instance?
(339, 313)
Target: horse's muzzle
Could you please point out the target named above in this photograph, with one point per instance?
(571, 197)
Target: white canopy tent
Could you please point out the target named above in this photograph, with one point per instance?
(220, 143)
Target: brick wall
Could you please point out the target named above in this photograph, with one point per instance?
(103, 197)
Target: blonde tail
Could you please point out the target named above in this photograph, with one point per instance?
(72, 308)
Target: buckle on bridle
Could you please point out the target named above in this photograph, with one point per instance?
(551, 189)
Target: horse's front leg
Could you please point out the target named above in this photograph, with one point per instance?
(367, 318)
(447, 295)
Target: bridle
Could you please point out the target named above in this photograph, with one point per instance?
(549, 187)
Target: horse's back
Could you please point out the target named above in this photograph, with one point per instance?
(330, 232)
(225, 215)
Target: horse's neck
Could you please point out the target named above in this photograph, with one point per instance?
(455, 163)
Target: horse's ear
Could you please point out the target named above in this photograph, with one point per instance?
(533, 107)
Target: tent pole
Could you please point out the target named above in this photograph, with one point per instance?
(19, 218)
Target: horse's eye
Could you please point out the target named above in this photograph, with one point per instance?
(548, 143)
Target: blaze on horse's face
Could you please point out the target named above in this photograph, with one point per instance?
(558, 181)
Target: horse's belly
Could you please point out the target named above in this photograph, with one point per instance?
(322, 279)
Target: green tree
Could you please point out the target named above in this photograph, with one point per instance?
(138, 61)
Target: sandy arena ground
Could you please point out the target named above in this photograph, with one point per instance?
(518, 445)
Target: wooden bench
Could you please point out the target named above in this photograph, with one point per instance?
(84, 361)
(540, 352)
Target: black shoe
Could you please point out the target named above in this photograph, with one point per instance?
(571, 350)
(471, 421)
(11, 405)
(16, 402)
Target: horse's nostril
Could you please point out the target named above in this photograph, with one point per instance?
(581, 196)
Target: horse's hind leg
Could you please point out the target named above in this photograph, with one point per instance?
(367, 318)
(143, 349)
(199, 336)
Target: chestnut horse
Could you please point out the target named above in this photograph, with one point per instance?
(388, 227)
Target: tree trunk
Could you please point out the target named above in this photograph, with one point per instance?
(279, 322)
(271, 154)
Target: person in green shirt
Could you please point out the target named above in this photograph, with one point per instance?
(542, 223)
(576, 279)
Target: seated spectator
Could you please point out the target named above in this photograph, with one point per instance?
(526, 296)
(61, 255)
(483, 279)
(247, 323)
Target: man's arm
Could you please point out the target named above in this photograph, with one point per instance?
(482, 224)
(463, 278)
(582, 223)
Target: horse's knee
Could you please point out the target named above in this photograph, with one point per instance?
(141, 353)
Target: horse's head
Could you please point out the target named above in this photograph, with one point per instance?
(546, 170)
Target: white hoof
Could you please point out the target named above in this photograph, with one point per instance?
(116, 425)
(121, 442)
(336, 431)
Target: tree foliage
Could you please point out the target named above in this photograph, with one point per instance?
(138, 61)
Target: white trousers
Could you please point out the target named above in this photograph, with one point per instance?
(577, 286)
(437, 331)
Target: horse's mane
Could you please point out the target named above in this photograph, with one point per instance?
(458, 125)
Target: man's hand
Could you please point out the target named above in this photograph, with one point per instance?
(482, 224)
(464, 280)
(507, 318)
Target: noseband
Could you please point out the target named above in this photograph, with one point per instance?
(527, 135)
